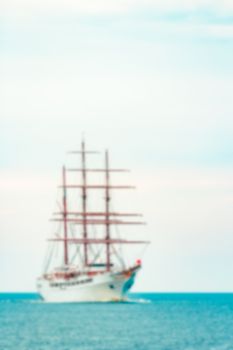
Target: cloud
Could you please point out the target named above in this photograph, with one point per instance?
(179, 178)
(200, 18)
(220, 31)
(188, 212)
(28, 7)
(132, 87)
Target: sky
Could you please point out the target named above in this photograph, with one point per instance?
(152, 82)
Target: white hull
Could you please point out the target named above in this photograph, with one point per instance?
(104, 287)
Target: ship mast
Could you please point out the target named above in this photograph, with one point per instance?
(66, 258)
(107, 202)
(84, 202)
(84, 218)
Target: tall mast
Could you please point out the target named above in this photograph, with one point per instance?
(66, 259)
(105, 218)
(107, 201)
(84, 201)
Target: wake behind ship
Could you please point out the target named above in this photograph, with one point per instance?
(85, 261)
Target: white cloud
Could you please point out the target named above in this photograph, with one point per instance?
(148, 100)
(220, 31)
(27, 7)
(188, 213)
(187, 179)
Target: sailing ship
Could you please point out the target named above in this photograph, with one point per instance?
(84, 265)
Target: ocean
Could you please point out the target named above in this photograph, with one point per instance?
(146, 322)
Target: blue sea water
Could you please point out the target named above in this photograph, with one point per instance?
(148, 322)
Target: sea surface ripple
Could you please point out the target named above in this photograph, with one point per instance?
(147, 322)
